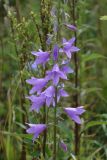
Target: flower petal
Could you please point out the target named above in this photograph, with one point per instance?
(49, 92)
(74, 113)
(36, 129)
(74, 49)
(63, 146)
(76, 119)
(62, 75)
(49, 101)
(63, 93)
(55, 52)
(71, 27)
(67, 69)
(55, 79)
(55, 68)
(31, 81)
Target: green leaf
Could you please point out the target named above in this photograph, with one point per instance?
(95, 123)
(21, 125)
(93, 56)
(103, 18)
(91, 90)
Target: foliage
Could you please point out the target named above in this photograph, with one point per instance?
(22, 30)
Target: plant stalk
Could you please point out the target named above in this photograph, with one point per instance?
(45, 19)
(55, 123)
(45, 132)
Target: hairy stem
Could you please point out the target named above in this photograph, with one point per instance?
(45, 19)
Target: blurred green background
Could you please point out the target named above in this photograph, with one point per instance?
(20, 29)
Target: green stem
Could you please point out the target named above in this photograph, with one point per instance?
(45, 132)
(55, 123)
(45, 19)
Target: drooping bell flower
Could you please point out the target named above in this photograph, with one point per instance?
(55, 74)
(61, 93)
(37, 83)
(66, 69)
(74, 113)
(37, 102)
(71, 27)
(36, 129)
(42, 57)
(68, 47)
(63, 146)
(49, 94)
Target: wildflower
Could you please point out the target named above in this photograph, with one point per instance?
(42, 57)
(36, 129)
(66, 69)
(55, 74)
(61, 93)
(74, 113)
(37, 102)
(63, 146)
(38, 84)
(49, 94)
(68, 47)
(71, 27)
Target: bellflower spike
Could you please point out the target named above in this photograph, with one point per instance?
(36, 129)
(71, 27)
(38, 84)
(74, 113)
(37, 102)
(42, 57)
(55, 74)
(63, 146)
(55, 52)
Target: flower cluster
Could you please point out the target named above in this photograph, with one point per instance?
(44, 89)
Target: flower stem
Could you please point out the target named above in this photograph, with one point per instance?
(45, 132)
(45, 19)
(55, 123)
